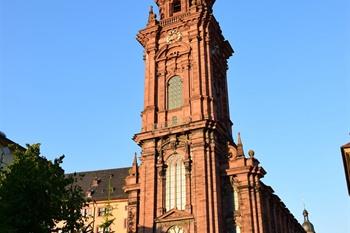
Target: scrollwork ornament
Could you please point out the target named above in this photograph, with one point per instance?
(132, 220)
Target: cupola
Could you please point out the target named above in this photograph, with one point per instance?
(307, 225)
(171, 8)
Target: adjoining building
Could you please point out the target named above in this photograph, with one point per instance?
(106, 199)
(6, 153)
(345, 151)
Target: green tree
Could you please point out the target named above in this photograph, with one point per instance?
(35, 195)
(108, 216)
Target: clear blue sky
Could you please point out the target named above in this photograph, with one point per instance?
(71, 78)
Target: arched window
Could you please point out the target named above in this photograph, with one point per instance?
(235, 199)
(175, 183)
(175, 93)
(238, 229)
(175, 229)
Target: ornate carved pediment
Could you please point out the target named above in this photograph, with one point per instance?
(174, 142)
(174, 215)
(173, 50)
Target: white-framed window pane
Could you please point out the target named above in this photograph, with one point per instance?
(167, 189)
(101, 211)
(103, 230)
(172, 184)
(178, 185)
(175, 183)
(183, 187)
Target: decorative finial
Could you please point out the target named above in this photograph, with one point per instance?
(251, 154)
(135, 159)
(151, 16)
(306, 215)
(239, 140)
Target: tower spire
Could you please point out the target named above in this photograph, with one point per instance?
(239, 140)
(134, 163)
(152, 17)
(134, 169)
(240, 151)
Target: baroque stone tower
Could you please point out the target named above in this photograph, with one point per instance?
(193, 178)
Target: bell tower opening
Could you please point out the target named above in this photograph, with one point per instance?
(176, 6)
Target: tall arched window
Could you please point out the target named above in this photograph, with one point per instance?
(176, 6)
(175, 93)
(175, 183)
(175, 229)
(237, 229)
(235, 199)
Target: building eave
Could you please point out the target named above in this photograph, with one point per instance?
(345, 151)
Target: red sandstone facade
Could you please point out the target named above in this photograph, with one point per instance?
(193, 177)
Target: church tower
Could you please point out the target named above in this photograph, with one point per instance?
(192, 177)
(185, 121)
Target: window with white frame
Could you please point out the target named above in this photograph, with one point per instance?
(175, 183)
(102, 211)
(103, 230)
(86, 212)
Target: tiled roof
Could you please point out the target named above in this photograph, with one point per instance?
(95, 183)
(346, 145)
(4, 141)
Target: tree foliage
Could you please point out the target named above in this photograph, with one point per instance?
(36, 195)
(108, 216)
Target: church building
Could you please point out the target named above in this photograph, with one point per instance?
(192, 177)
